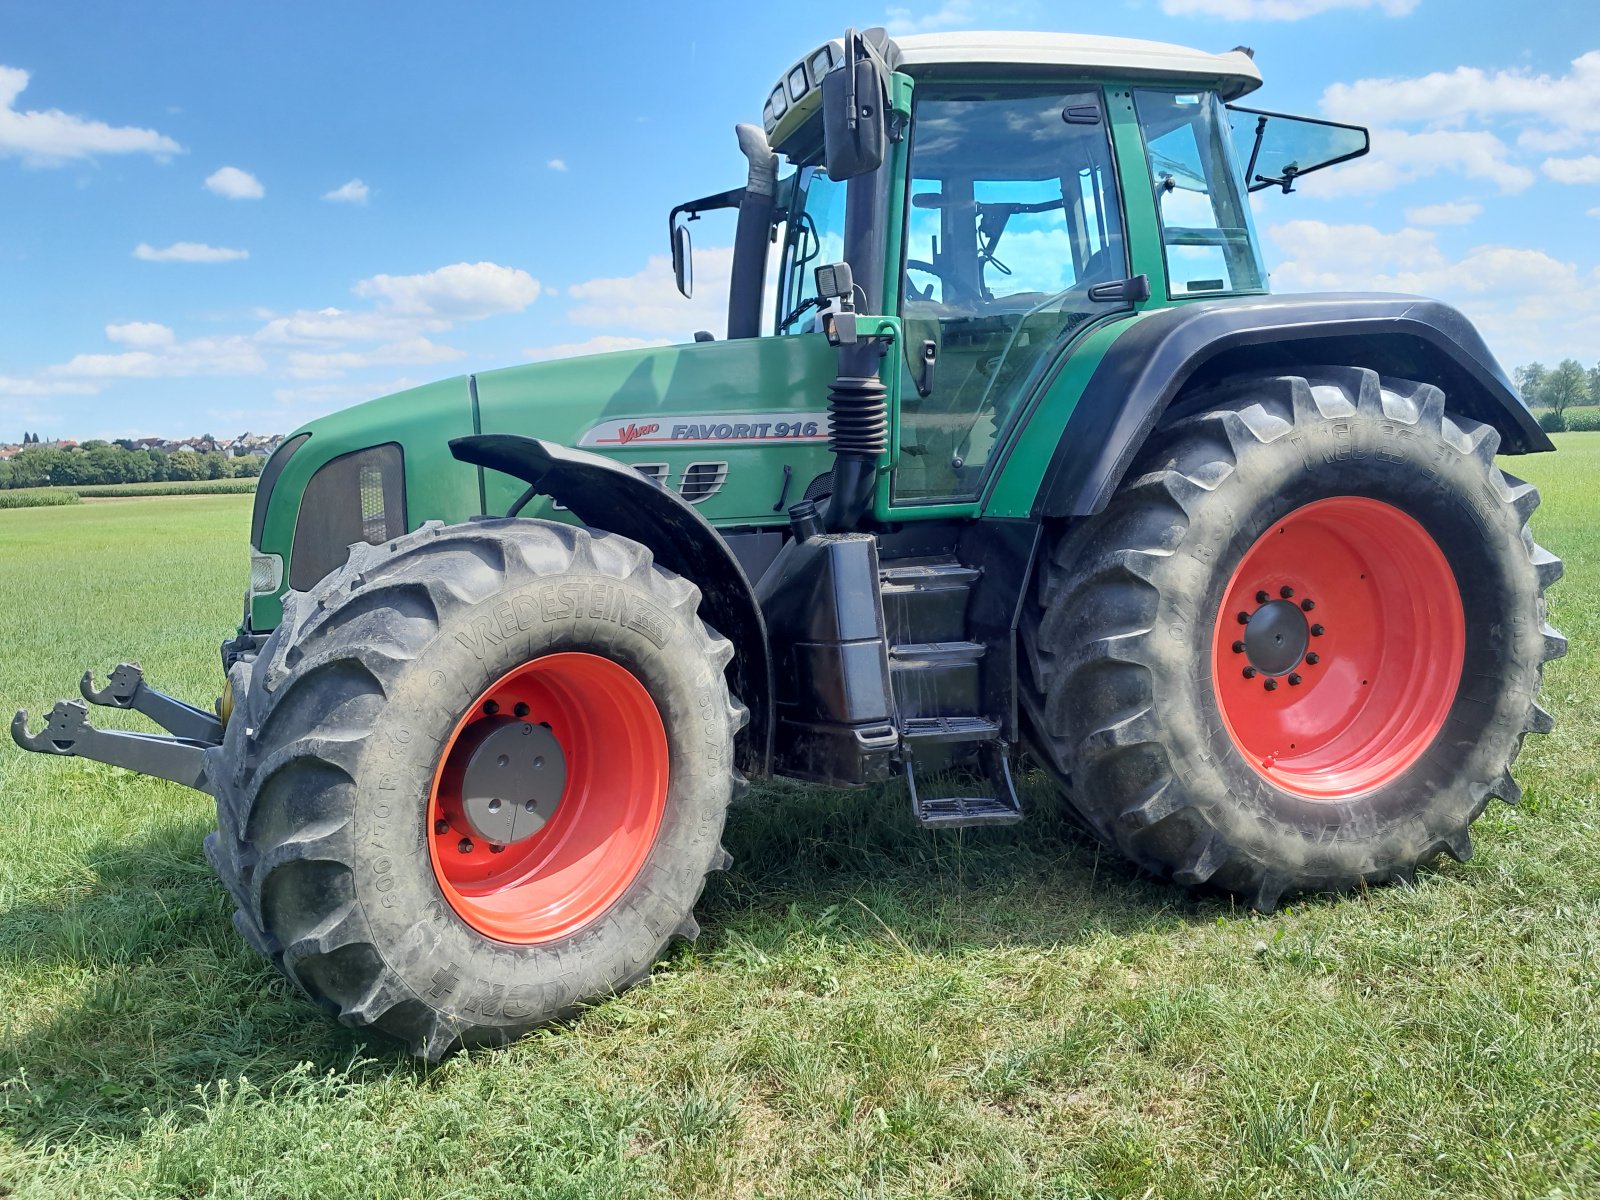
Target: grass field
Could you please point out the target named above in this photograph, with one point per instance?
(873, 1011)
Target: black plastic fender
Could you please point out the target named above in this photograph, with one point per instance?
(1152, 363)
(606, 495)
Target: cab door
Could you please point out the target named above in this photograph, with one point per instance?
(1012, 215)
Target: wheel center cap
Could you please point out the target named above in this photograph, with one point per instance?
(513, 781)
(1276, 637)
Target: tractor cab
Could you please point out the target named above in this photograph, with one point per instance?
(1018, 191)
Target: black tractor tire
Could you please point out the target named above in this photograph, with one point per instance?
(1121, 690)
(323, 780)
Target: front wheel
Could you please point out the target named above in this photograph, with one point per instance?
(476, 779)
(1301, 647)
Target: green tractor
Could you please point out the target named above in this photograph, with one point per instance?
(1015, 454)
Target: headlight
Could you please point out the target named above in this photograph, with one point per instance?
(359, 497)
(266, 574)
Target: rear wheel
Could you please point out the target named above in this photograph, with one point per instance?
(1302, 645)
(476, 779)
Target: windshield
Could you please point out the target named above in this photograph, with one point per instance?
(1206, 232)
(1277, 149)
(814, 235)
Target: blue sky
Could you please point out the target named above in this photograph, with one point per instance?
(225, 217)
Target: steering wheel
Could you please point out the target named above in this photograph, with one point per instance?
(917, 264)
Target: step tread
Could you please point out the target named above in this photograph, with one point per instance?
(949, 729)
(966, 811)
(944, 651)
(927, 575)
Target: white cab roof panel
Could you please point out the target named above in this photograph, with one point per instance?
(1233, 73)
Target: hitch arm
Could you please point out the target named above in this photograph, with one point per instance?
(67, 731)
(126, 689)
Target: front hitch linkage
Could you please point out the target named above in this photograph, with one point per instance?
(180, 758)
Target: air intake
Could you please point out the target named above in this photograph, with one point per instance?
(702, 480)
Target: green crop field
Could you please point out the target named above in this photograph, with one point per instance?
(872, 1011)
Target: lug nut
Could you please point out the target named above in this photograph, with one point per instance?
(1244, 618)
(496, 849)
(441, 826)
(1249, 672)
(1313, 659)
(1294, 680)
(1286, 592)
(1262, 597)
(1238, 647)
(1317, 631)
(521, 709)
(491, 707)
(1271, 685)
(464, 845)
(1308, 605)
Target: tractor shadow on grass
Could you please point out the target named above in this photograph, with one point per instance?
(154, 999)
(799, 850)
(130, 998)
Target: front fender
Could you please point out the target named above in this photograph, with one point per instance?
(606, 495)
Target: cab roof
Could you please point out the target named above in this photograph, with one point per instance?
(1234, 74)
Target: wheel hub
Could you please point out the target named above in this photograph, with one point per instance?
(1276, 637)
(513, 780)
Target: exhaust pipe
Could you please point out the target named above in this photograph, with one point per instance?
(749, 276)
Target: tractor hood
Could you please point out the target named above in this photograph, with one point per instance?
(735, 427)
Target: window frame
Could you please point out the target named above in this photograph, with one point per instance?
(1236, 171)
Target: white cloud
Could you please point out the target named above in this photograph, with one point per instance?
(557, 164)
(957, 14)
(52, 137)
(1528, 304)
(1399, 158)
(12, 385)
(235, 184)
(188, 252)
(1594, 212)
(1574, 170)
(648, 302)
(1279, 10)
(354, 192)
(1451, 212)
(600, 344)
(1564, 102)
(462, 291)
(232, 355)
(332, 365)
(141, 335)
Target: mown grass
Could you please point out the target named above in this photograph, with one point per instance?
(872, 1011)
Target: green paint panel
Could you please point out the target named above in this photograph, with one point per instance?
(703, 392)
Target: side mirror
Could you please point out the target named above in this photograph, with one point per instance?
(854, 123)
(683, 259)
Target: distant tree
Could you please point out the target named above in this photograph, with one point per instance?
(1594, 385)
(248, 466)
(1529, 379)
(185, 465)
(217, 466)
(1565, 386)
(34, 466)
(5, 472)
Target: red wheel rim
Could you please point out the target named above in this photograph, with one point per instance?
(590, 849)
(1384, 638)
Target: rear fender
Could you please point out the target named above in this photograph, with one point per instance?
(1178, 349)
(607, 495)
